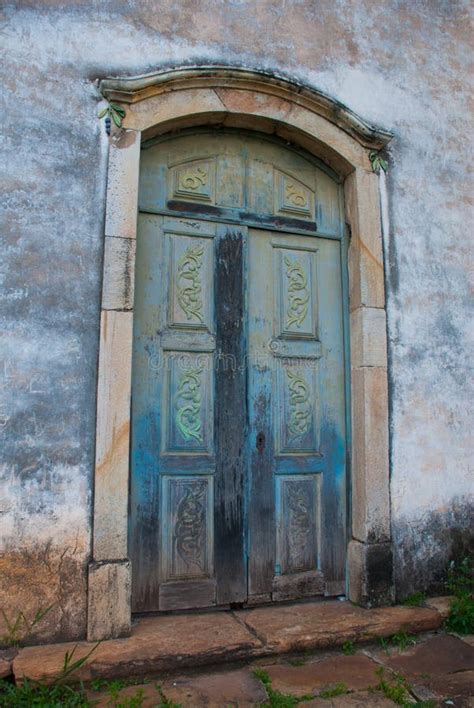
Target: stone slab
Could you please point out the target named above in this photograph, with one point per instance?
(361, 699)
(442, 604)
(5, 668)
(225, 688)
(228, 688)
(356, 672)
(443, 654)
(156, 644)
(458, 688)
(322, 624)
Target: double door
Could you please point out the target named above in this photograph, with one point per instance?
(238, 419)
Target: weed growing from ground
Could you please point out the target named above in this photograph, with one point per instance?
(33, 693)
(384, 643)
(20, 629)
(165, 702)
(402, 640)
(339, 689)
(415, 599)
(275, 698)
(348, 648)
(460, 584)
(297, 661)
(397, 689)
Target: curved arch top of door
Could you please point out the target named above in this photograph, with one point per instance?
(239, 480)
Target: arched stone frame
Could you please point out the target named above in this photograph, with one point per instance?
(156, 104)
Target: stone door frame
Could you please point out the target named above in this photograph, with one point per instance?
(237, 98)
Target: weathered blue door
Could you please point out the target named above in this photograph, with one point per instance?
(238, 410)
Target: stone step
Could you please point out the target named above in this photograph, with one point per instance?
(176, 642)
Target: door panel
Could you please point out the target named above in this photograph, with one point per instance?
(189, 415)
(296, 405)
(238, 177)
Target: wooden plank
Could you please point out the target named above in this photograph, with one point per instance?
(261, 440)
(333, 435)
(230, 416)
(187, 594)
(294, 586)
(144, 537)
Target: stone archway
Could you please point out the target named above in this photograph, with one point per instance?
(169, 101)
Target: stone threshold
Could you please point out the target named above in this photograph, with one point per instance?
(184, 641)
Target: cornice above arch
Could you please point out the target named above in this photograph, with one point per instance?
(137, 88)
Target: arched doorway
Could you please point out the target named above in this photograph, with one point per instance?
(238, 466)
(226, 97)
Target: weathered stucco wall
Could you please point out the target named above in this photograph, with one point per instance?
(401, 64)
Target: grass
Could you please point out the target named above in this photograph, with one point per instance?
(348, 648)
(275, 698)
(460, 584)
(32, 693)
(397, 689)
(339, 689)
(166, 702)
(29, 693)
(297, 661)
(20, 629)
(416, 599)
(115, 686)
(402, 640)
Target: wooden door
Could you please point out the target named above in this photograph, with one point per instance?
(238, 438)
(189, 416)
(296, 417)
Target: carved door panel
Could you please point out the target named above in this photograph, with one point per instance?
(189, 413)
(296, 417)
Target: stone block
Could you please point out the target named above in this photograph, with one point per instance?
(370, 465)
(368, 337)
(113, 437)
(366, 270)
(370, 570)
(250, 102)
(442, 604)
(122, 185)
(311, 625)
(329, 134)
(119, 273)
(171, 106)
(109, 599)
